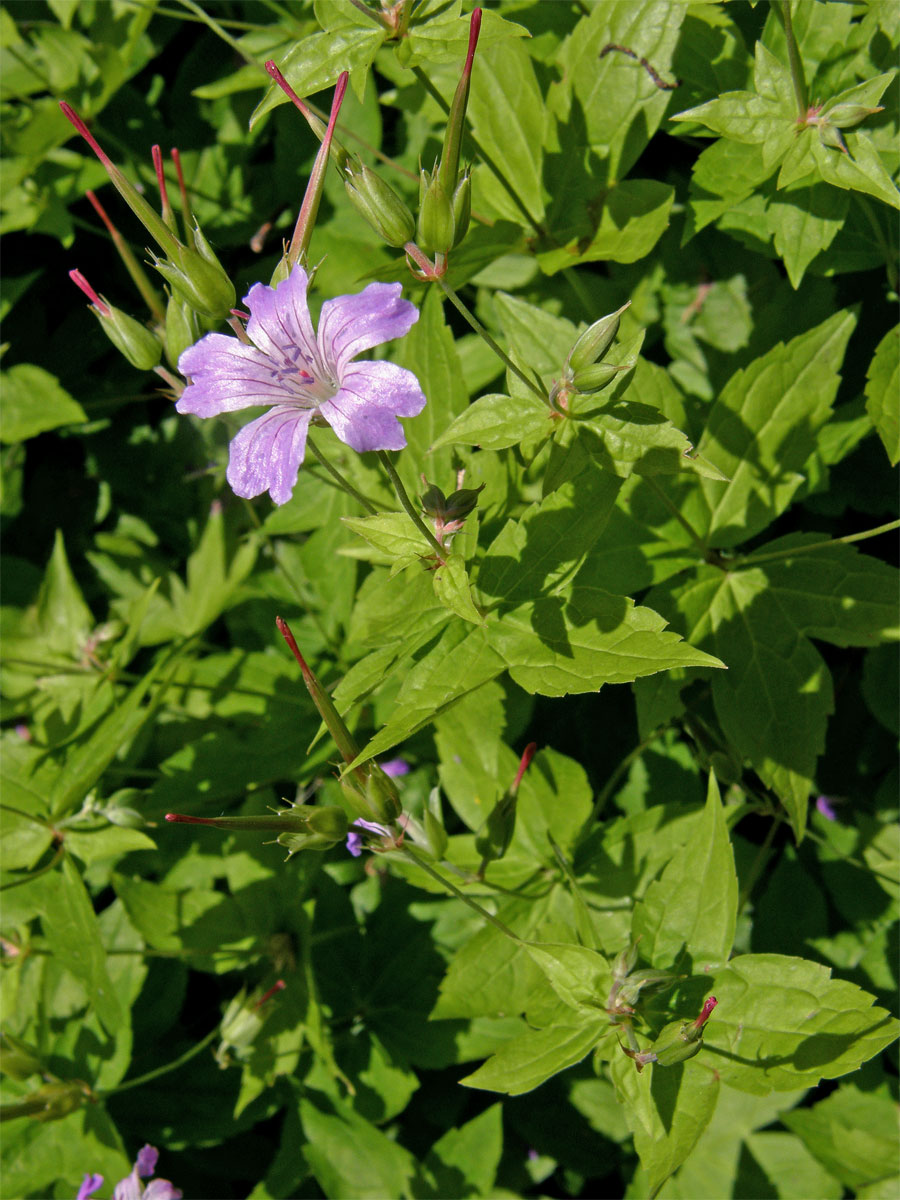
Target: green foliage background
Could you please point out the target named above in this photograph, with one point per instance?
(700, 514)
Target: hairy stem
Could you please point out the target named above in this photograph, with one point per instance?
(486, 337)
(404, 499)
(482, 912)
(340, 480)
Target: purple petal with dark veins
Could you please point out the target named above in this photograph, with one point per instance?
(280, 323)
(266, 454)
(227, 376)
(364, 412)
(350, 324)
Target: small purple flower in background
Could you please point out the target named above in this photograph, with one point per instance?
(396, 766)
(131, 1188)
(825, 807)
(305, 376)
(355, 843)
(89, 1185)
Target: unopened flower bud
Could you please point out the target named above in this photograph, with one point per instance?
(594, 379)
(624, 961)
(436, 225)
(182, 327)
(500, 826)
(462, 207)
(845, 116)
(832, 137)
(200, 278)
(51, 1102)
(242, 1021)
(132, 339)
(680, 1041)
(310, 826)
(595, 341)
(455, 507)
(18, 1059)
(377, 201)
(382, 795)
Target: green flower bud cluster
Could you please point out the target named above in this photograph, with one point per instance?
(443, 216)
(198, 277)
(449, 512)
(190, 267)
(585, 371)
(378, 203)
(830, 121)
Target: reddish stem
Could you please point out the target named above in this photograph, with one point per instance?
(102, 214)
(185, 204)
(79, 280)
(286, 88)
(278, 986)
(527, 756)
(285, 630)
(185, 820)
(310, 206)
(474, 30)
(73, 116)
(167, 214)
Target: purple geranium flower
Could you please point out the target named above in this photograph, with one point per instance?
(131, 1188)
(395, 767)
(355, 843)
(305, 376)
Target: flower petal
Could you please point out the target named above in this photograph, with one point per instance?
(129, 1188)
(266, 454)
(145, 1163)
(89, 1185)
(373, 394)
(280, 323)
(161, 1189)
(350, 324)
(227, 376)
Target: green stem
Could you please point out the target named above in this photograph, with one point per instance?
(172, 1066)
(797, 77)
(757, 865)
(883, 245)
(404, 499)
(486, 337)
(34, 874)
(607, 789)
(220, 32)
(243, 26)
(679, 517)
(753, 559)
(482, 912)
(485, 157)
(340, 480)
